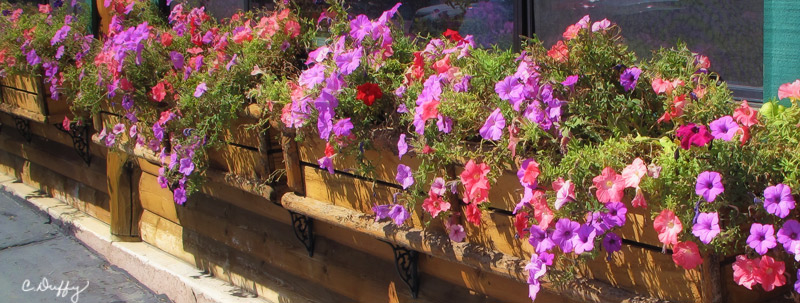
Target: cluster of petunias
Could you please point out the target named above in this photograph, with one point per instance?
(201, 54)
(53, 39)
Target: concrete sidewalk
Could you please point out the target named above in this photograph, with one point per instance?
(40, 263)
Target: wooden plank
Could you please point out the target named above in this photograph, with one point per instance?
(240, 161)
(291, 157)
(125, 211)
(385, 162)
(22, 100)
(20, 82)
(352, 193)
(651, 273)
(50, 132)
(164, 234)
(156, 199)
(59, 158)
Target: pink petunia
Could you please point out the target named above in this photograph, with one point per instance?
(790, 90)
(687, 255)
(476, 183)
(528, 173)
(745, 115)
(639, 200)
(565, 192)
(770, 273)
(744, 271)
(668, 227)
(435, 205)
(632, 174)
(610, 186)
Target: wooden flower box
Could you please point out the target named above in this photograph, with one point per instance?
(26, 97)
(639, 268)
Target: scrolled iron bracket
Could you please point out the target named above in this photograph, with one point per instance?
(24, 128)
(81, 140)
(407, 263)
(304, 230)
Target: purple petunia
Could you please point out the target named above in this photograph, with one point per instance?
(797, 283)
(445, 124)
(179, 195)
(402, 146)
(32, 58)
(360, 26)
(493, 128)
(200, 90)
(778, 200)
(177, 60)
(789, 236)
(343, 127)
(381, 212)
(399, 214)
(612, 243)
(616, 214)
(536, 269)
(539, 240)
(326, 163)
(570, 81)
(709, 185)
(707, 227)
(509, 89)
(463, 85)
(404, 176)
(596, 220)
(187, 166)
(232, 62)
(348, 62)
(724, 128)
(60, 35)
(312, 76)
(59, 52)
(566, 234)
(585, 240)
(629, 78)
(762, 237)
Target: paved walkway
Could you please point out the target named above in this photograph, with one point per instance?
(39, 263)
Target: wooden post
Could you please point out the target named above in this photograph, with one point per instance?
(125, 209)
(291, 156)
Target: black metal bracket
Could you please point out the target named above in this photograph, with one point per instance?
(81, 140)
(24, 128)
(304, 230)
(407, 263)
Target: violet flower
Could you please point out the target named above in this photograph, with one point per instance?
(693, 134)
(399, 214)
(311, 77)
(179, 195)
(343, 127)
(724, 128)
(566, 234)
(200, 90)
(596, 220)
(762, 237)
(187, 166)
(381, 212)
(445, 124)
(629, 78)
(32, 58)
(463, 85)
(509, 89)
(709, 185)
(584, 242)
(404, 176)
(326, 163)
(540, 240)
(59, 52)
(612, 243)
(570, 81)
(707, 227)
(348, 62)
(778, 200)
(232, 62)
(789, 236)
(402, 146)
(360, 26)
(493, 128)
(616, 214)
(60, 35)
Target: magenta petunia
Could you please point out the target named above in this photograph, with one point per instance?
(570, 81)
(778, 200)
(60, 35)
(381, 211)
(707, 227)
(612, 243)
(629, 78)
(312, 76)
(693, 134)
(493, 128)
(404, 176)
(596, 219)
(179, 195)
(187, 166)
(762, 237)
(724, 128)
(566, 234)
(615, 216)
(709, 185)
(402, 146)
(326, 163)
(789, 236)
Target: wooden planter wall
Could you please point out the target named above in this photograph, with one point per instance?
(640, 267)
(26, 97)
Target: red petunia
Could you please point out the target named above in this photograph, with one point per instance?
(159, 92)
(559, 52)
(686, 255)
(368, 93)
(453, 35)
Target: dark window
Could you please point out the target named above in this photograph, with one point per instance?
(729, 32)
